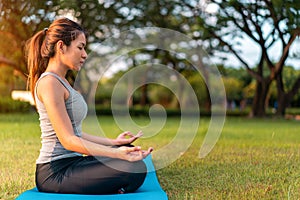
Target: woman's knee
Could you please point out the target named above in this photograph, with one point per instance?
(139, 167)
(136, 176)
(126, 166)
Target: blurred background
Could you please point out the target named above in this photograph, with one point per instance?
(255, 46)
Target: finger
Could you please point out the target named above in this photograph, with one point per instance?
(124, 133)
(135, 137)
(150, 149)
(128, 133)
(146, 153)
(135, 149)
(139, 134)
(136, 156)
(125, 149)
(129, 150)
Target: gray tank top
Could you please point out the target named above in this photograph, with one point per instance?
(52, 149)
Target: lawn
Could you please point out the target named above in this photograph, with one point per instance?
(253, 159)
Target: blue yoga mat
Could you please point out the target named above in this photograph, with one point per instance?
(150, 190)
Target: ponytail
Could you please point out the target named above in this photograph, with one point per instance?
(36, 64)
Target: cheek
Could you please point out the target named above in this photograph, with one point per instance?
(76, 54)
(72, 56)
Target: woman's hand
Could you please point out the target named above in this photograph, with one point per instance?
(133, 153)
(127, 138)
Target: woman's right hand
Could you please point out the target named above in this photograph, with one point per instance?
(133, 153)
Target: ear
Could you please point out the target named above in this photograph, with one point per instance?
(60, 47)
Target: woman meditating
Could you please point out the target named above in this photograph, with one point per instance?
(71, 161)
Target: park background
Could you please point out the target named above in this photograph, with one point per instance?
(253, 44)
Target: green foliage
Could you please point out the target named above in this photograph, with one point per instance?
(8, 105)
(199, 87)
(6, 81)
(249, 90)
(223, 30)
(9, 82)
(264, 23)
(106, 18)
(233, 88)
(139, 111)
(19, 20)
(290, 76)
(162, 95)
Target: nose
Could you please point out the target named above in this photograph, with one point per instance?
(84, 54)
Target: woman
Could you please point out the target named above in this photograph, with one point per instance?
(71, 161)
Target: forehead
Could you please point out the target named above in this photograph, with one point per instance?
(80, 39)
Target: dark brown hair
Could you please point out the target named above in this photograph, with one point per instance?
(41, 46)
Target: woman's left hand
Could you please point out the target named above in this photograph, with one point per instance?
(127, 138)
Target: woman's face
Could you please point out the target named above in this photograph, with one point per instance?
(75, 54)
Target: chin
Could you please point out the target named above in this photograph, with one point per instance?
(77, 68)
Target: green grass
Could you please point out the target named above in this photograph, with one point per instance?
(253, 159)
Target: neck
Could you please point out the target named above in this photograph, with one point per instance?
(56, 67)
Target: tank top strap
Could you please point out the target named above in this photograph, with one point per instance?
(66, 85)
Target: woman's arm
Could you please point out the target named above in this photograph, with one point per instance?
(98, 139)
(53, 95)
(123, 139)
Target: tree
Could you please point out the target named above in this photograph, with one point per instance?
(233, 88)
(265, 22)
(109, 18)
(287, 85)
(19, 20)
(287, 13)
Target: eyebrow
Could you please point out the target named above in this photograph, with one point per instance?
(82, 43)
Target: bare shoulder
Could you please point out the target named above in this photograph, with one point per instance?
(49, 83)
(50, 87)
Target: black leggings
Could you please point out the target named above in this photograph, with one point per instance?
(89, 175)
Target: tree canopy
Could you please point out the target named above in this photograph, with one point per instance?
(220, 32)
(265, 22)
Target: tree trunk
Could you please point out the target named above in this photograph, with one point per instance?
(259, 101)
(91, 93)
(144, 91)
(285, 98)
(282, 104)
(208, 101)
(144, 96)
(281, 97)
(205, 73)
(129, 92)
